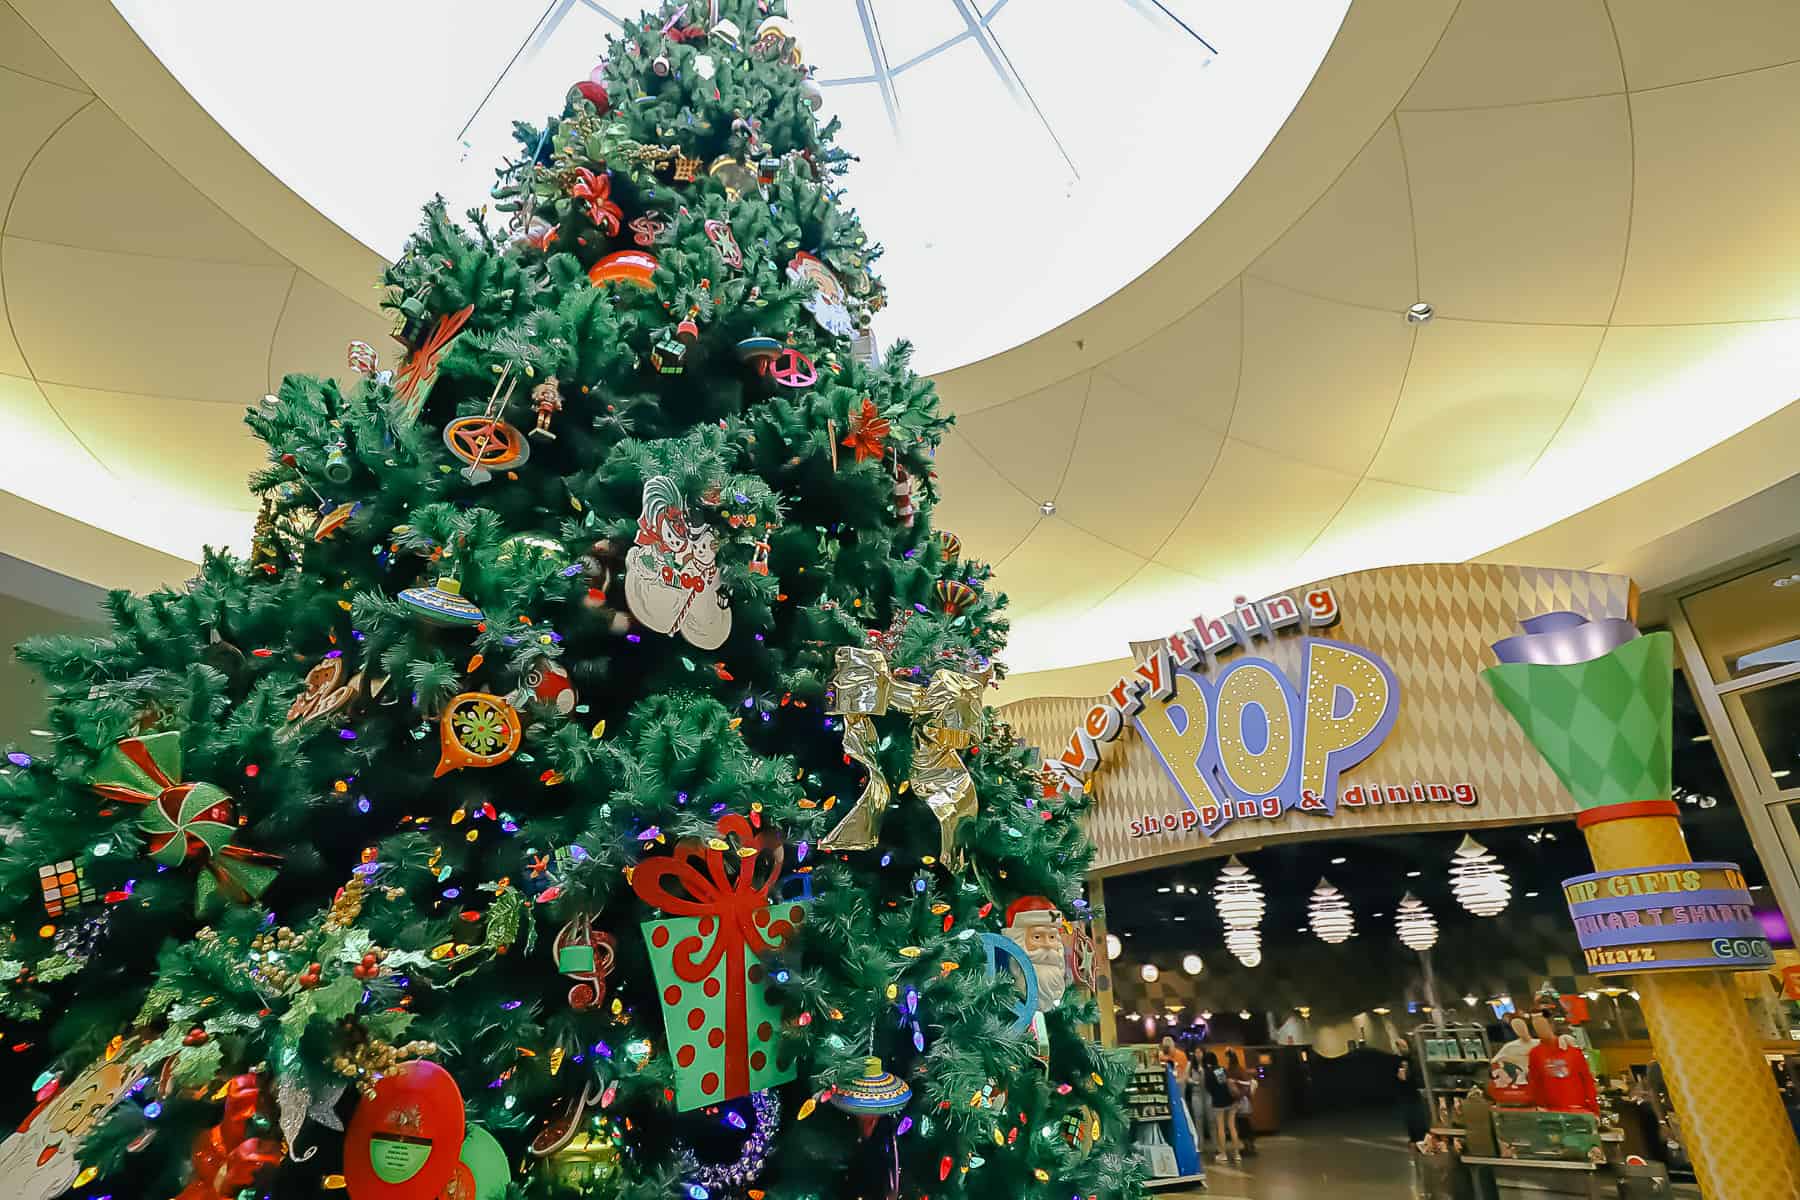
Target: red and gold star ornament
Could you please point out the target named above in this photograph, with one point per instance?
(868, 431)
(596, 190)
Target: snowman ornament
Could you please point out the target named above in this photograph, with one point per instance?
(672, 573)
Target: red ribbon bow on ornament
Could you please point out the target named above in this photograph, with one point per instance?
(731, 887)
(229, 1157)
(597, 191)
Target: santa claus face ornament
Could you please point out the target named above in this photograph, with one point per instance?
(39, 1161)
(827, 304)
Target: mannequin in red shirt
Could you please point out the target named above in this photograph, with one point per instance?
(1560, 1078)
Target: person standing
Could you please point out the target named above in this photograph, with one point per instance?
(1226, 1143)
(1243, 1085)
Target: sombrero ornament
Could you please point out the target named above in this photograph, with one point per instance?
(183, 820)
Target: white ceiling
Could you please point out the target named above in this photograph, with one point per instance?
(1600, 206)
(992, 163)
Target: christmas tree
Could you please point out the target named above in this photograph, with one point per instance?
(586, 778)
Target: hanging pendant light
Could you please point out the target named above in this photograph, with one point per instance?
(1417, 927)
(1329, 914)
(1239, 899)
(1245, 946)
(1478, 881)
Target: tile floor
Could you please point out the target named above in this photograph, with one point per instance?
(1345, 1158)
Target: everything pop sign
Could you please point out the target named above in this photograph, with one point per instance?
(1352, 703)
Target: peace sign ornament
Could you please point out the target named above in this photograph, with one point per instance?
(477, 730)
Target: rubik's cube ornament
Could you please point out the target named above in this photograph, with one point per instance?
(65, 887)
(668, 356)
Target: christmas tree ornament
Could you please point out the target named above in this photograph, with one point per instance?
(759, 558)
(947, 716)
(687, 169)
(730, 1177)
(547, 683)
(903, 496)
(593, 90)
(725, 242)
(814, 94)
(405, 1140)
(562, 1125)
(183, 820)
(1029, 1006)
(758, 350)
(325, 692)
(660, 66)
(337, 463)
(412, 385)
(476, 730)
(669, 355)
(952, 545)
(587, 1163)
(41, 1160)
(595, 191)
(362, 358)
(672, 573)
(789, 368)
(736, 177)
(652, 229)
(486, 444)
(630, 267)
(687, 332)
(65, 887)
(546, 402)
(826, 304)
(586, 954)
(710, 958)
(704, 66)
(481, 1171)
(1080, 1130)
(776, 32)
(868, 431)
(231, 1156)
(875, 1093)
(954, 597)
(333, 520)
(725, 31)
(297, 1104)
(442, 603)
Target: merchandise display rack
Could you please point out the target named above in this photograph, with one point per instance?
(1451, 1060)
(1147, 1099)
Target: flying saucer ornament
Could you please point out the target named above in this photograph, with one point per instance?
(486, 444)
(758, 350)
(725, 242)
(442, 603)
(828, 302)
(630, 267)
(951, 543)
(476, 730)
(738, 179)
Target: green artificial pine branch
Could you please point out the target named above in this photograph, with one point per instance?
(417, 899)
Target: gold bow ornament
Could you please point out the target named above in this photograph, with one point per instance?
(947, 716)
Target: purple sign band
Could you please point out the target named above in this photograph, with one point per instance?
(1612, 904)
(1684, 964)
(1687, 866)
(1638, 935)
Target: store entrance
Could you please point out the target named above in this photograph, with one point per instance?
(1380, 974)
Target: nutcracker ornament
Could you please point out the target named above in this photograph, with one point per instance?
(546, 402)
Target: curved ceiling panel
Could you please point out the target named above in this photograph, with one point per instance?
(986, 163)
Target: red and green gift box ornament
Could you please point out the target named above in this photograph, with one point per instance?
(182, 821)
(712, 956)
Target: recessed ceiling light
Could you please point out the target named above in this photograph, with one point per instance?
(1414, 874)
(1756, 887)
(1148, 972)
(1531, 895)
(1161, 890)
(1705, 737)
(1374, 915)
(1181, 918)
(1048, 508)
(1781, 774)
(1243, 1014)
(1339, 861)
(1419, 313)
